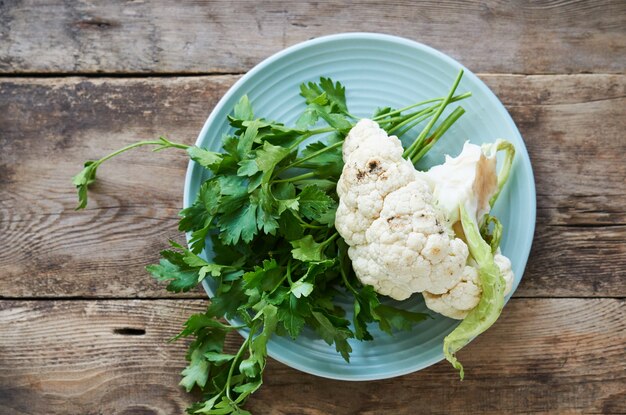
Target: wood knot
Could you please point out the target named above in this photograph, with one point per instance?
(129, 331)
(95, 24)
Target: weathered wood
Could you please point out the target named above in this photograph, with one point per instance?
(232, 36)
(49, 128)
(542, 356)
(573, 127)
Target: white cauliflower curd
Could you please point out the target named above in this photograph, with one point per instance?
(400, 223)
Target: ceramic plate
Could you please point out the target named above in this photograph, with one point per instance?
(380, 70)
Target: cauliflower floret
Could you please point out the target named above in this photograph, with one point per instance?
(398, 221)
(504, 264)
(368, 135)
(373, 168)
(463, 297)
(458, 301)
(408, 213)
(399, 241)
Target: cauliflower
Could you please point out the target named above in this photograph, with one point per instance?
(398, 222)
(469, 179)
(504, 265)
(457, 302)
(463, 297)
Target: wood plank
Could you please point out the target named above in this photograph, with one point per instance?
(573, 127)
(50, 128)
(232, 36)
(543, 356)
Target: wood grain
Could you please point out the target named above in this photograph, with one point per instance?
(232, 36)
(542, 356)
(49, 127)
(573, 127)
(84, 329)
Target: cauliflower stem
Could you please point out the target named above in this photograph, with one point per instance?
(503, 176)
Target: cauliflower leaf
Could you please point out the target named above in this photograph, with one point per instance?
(491, 301)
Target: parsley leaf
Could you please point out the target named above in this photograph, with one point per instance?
(314, 203)
(397, 318)
(301, 288)
(247, 167)
(255, 363)
(264, 277)
(291, 317)
(336, 94)
(209, 159)
(82, 181)
(239, 224)
(306, 249)
(335, 331)
(183, 270)
(324, 158)
(179, 278)
(243, 109)
(245, 141)
(197, 372)
(198, 217)
(269, 156)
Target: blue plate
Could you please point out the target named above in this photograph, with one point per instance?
(381, 70)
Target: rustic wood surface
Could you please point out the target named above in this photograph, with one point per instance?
(84, 330)
(572, 125)
(232, 36)
(109, 356)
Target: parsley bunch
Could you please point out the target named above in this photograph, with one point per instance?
(276, 262)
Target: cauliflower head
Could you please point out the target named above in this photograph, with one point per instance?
(399, 233)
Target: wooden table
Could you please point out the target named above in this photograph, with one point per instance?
(84, 329)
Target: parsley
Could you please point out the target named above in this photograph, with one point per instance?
(278, 264)
(87, 176)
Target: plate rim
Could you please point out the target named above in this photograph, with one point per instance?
(189, 198)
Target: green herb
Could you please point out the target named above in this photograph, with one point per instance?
(277, 263)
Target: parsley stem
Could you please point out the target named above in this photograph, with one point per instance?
(417, 104)
(310, 156)
(344, 277)
(420, 116)
(322, 130)
(287, 276)
(413, 119)
(329, 240)
(403, 118)
(289, 272)
(299, 141)
(305, 224)
(296, 178)
(88, 174)
(236, 359)
(418, 142)
(412, 124)
(308, 134)
(445, 125)
(163, 143)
